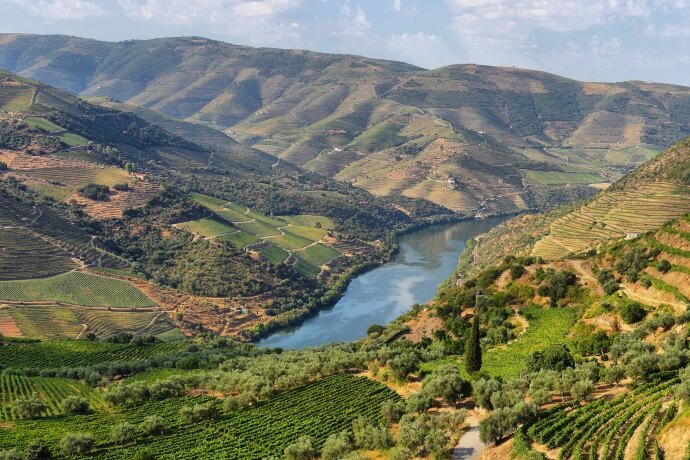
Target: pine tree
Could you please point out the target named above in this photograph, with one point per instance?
(473, 350)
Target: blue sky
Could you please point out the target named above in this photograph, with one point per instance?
(595, 40)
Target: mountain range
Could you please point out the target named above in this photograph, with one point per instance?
(470, 138)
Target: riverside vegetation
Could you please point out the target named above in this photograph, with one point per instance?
(138, 261)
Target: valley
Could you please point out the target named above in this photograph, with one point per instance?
(217, 251)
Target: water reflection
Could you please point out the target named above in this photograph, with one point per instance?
(426, 258)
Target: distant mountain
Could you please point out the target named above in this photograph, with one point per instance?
(471, 138)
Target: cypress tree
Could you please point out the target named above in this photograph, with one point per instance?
(473, 350)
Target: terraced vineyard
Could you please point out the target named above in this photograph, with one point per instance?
(318, 410)
(613, 215)
(603, 428)
(51, 322)
(282, 236)
(74, 353)
(76, 288)
(37, 242)
(52, 392)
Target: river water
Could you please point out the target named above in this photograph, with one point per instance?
(426, 258)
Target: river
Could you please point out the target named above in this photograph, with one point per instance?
(426, 258)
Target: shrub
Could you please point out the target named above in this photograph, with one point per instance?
(198, 413)
(28, 407)
(123, 433)
(95, 192)
(75, 405)
(153, 424)
(76, 444)
(144, 454)
(375, 329)
(632, 312)
(121, 187)
(302, 449)
(556, 357)
(663, 266)
(10, 454)
(582, 390)
(336, 446)
(38, 450)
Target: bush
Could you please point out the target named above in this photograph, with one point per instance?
(10, 454)
(144, 454)
(121, 187)
(336, 446)
(663, 266)
(556, 357)
(198, 413)
(375, 329)
(75, 405)
(95, 192)
(29, 407)
(38, 450)
(302, 449)
(582, 390)
(123, 433)
(153, 425)
(76, 444)
(632, 312)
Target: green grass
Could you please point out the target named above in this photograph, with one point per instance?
(76, 288)
(310, 233)
(306, 268)
(260, 229)
(316, 410)
(41, 123)
(15, 98)
(290, 241)
(381, 136)
(238, 239)
(214, 204)
(73, 140)
(274, 253)
(318, 254)
(556, 177)
(306, 220)
(208, 227)
(546, 326)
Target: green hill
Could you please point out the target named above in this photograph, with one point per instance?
(470, 138)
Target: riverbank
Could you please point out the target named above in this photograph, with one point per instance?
(425, 257)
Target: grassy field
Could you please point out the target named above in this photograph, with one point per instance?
(274, 253)
(76, 288)
(556, 177)
(15, 98)
(239, 238)
(306, 220)
(73, 140)
(318, 254)
(208, 227)
(41, 123)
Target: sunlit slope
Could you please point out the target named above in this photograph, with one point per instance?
(376, 123)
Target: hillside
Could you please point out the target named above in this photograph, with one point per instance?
(199, 237)
(642, 201)
(470, 138)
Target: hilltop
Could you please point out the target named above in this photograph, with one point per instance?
(470, 138)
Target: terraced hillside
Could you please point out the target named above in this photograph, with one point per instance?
(642, 201)
(471, 138)
(295, 240)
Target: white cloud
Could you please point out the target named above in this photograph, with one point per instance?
(60, 9)
(257, 22)
(506, 21)
(397, 6)
(205, 11)
(426, 50)
(353, 23)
